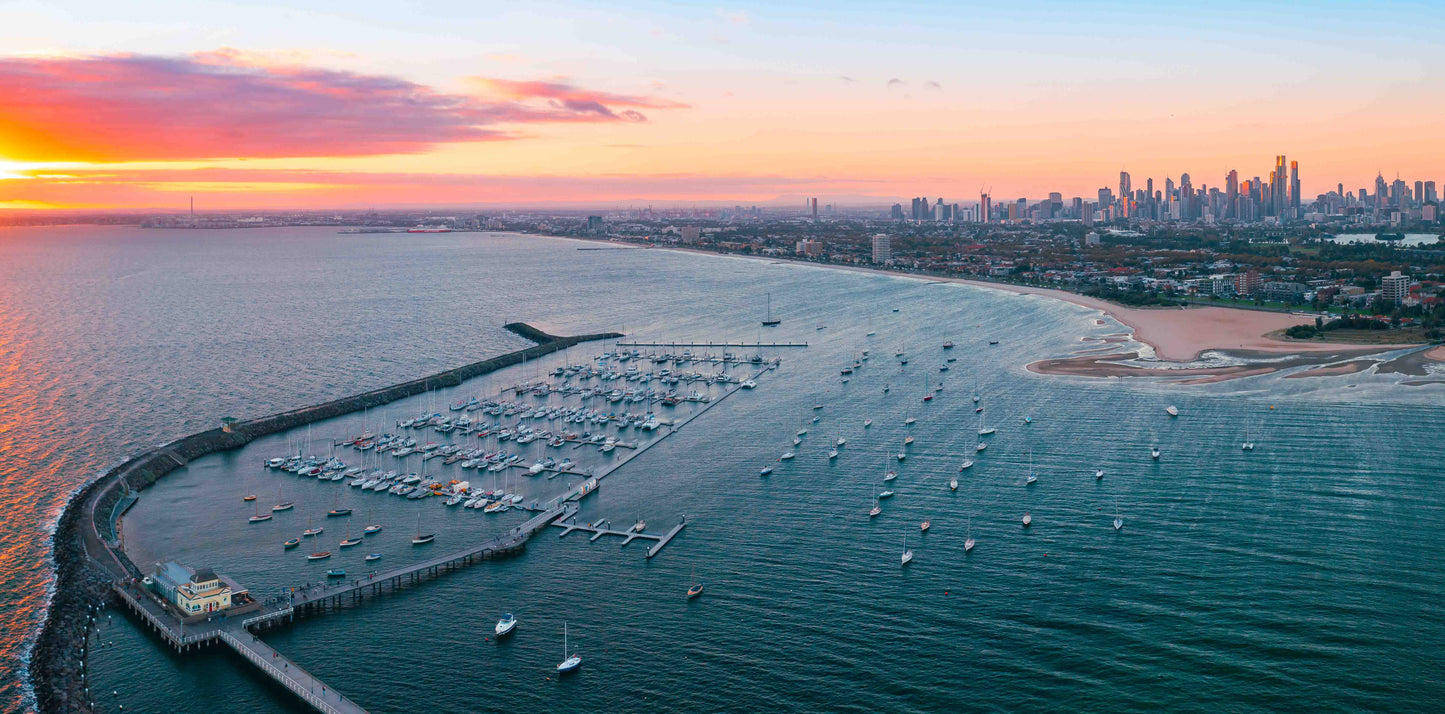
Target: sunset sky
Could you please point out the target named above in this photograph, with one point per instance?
(139, 105)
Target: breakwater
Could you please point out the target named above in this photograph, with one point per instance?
(86, 552)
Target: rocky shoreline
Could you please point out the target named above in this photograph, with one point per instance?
(85, 566)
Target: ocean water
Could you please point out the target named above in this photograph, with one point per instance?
(1301, 574)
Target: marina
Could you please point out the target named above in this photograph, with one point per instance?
(339, 589)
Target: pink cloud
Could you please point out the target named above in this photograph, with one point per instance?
(569, 98)
(233, 104)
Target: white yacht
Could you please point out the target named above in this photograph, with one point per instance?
(786, 456)
(573, 661)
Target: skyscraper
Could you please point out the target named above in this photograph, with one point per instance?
(1231, 194)
(985, 208)
(1278, 187)
(1126, 187)
(1294, 199)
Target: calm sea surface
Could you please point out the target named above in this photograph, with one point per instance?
(1304, 574)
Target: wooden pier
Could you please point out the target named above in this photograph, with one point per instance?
(739, 345)
(627, 536)
(352, 590)
(288, 674)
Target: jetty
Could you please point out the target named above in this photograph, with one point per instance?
(627, 536)
(739, 345)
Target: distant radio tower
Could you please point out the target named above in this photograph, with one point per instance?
(193, 206)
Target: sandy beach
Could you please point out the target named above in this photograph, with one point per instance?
(1175, 334)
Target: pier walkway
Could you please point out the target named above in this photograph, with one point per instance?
(375, 583)
(288, 674)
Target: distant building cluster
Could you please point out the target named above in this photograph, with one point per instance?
(1275, 198)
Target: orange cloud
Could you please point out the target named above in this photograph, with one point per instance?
(229, 104)
(278, 188)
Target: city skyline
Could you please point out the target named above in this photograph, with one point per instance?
(140, 107)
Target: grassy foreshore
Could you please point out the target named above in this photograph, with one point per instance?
(86, 565)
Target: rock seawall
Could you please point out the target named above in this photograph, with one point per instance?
(86, 565)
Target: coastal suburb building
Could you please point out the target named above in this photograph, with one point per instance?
(1395, 287)
(881, 252)
(196, 592)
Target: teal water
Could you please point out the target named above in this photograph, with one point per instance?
(1301, 574)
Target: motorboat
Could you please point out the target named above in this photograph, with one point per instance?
(506, 625)
(1172, 410)
(766, 470)
(924, 526)
(967, 464)
(372, 557)
(787, 455)
(292, 543)
(1027, 520)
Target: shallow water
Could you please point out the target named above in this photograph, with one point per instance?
(1300, 574)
